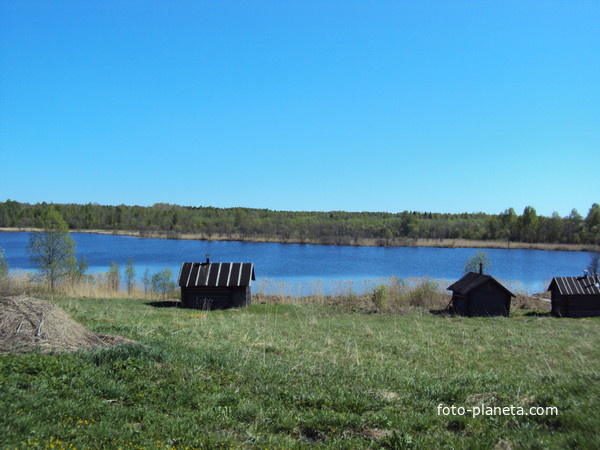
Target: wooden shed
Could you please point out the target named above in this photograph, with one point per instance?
(216, 285)
(477, 294)
(575, 296)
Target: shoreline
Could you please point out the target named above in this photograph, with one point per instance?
(394, 242)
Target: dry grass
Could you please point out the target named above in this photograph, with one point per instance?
(90, 286)
(97, 287)
(393, 295)
(466, 243)
(389, 295)
(535, 302)
(19, 283)
(27, 323)
(361, 242)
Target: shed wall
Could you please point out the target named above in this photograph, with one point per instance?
(559, 304)
(583, 306)
(459, 304)
(216, 297)
(575, 305)
(486, 300)
(483, 303)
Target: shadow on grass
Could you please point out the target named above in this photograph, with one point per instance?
(166, 304)
(441, 312)
(538, 314)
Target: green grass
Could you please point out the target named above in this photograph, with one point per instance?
(304, 375)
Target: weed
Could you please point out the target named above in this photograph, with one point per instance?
(379, 297)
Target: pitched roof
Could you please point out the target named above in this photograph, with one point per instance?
(473, 280)
(576, 285)
(216, 274)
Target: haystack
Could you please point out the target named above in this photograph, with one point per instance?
(28, 323)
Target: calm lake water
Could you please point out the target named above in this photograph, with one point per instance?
(296, 268)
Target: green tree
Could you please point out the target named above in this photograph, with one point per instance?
(129, 275)
(114, 276)
(593, 217)
(52, 250)
(3, 265)
(147, 280)
(592, 223)
(554, 228)
(388, 235)
(529, 224)
(78, 269)
(82, 267)
(162, 281)
(573, 224)
(508, 223)
(473, 263)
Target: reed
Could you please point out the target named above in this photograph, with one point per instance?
(384, 295)
(90, 286)
(392, 295)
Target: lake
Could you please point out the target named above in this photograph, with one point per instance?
(303, 268)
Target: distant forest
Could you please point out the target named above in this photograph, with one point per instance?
(335, 227)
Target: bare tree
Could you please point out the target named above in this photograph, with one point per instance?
(594, 264)
(129, 275)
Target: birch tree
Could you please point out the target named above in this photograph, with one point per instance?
(52, 250)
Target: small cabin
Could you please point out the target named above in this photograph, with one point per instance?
(216, 285)
(477, 294)
(575, 296)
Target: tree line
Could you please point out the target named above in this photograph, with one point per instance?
(335, 227)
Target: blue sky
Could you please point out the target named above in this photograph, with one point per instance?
(446, 106)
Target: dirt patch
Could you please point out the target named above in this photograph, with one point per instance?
(28, 323)
(376, 434)
(487, 398)
(503, 444)
(387, 395)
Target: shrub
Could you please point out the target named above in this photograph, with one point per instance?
(352, 298)
(379, 296)
(425, 293)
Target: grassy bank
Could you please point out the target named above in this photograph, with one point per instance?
(390, 295)
(360, 242)
(299, 375)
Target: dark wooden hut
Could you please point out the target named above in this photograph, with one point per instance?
(216, 285)
(575, 296)
(477, 294)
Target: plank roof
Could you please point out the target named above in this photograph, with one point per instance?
(588, 285)
(473, 280)
(194, 274)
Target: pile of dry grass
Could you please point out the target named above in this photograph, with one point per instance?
(27, 323)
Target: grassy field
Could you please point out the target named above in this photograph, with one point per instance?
(285, 375)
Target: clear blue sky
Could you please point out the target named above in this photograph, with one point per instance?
(445, 106)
